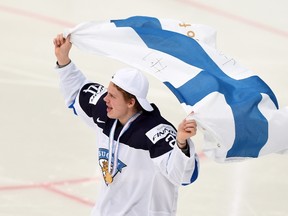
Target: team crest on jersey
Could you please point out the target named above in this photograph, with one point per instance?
(103, 162)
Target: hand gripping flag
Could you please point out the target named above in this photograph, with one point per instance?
(237, 111)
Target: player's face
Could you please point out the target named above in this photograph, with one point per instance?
(117, 107)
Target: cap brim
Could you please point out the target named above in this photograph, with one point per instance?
(145, 104)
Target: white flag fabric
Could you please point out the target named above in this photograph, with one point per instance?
(237, 111)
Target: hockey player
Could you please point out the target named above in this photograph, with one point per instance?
(143, 159)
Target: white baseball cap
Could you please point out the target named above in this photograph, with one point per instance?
(134, 82)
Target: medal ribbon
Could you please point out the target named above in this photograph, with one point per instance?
(115, 149)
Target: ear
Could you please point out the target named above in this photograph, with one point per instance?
(131, 102)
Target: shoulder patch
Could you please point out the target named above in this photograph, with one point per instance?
(95, 90)
(162, 131)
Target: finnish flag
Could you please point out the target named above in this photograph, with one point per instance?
(237, 111)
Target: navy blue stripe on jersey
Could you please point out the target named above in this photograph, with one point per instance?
(141, 126)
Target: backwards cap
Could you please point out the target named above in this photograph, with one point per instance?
(134, 82)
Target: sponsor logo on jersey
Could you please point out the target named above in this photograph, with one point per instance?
(162, 131)
(100, 121)
(95, 90)
(103, 162)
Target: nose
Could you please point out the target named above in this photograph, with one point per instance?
(106, 98)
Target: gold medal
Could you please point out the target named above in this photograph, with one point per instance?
(108, 178)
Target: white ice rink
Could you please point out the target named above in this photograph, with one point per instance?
(48, 164)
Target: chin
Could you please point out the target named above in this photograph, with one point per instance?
(110, 115)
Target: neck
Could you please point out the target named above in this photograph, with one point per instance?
(125, 119)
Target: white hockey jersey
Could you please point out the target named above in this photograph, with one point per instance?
(150, 166)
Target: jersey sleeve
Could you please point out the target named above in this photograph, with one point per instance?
(81, 95)
(71, 80)
(178, 168)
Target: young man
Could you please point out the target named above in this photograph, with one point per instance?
(142, 158)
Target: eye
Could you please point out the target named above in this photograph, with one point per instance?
(111, 95)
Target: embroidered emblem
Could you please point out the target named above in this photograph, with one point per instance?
(95, 91)
(103, 162)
